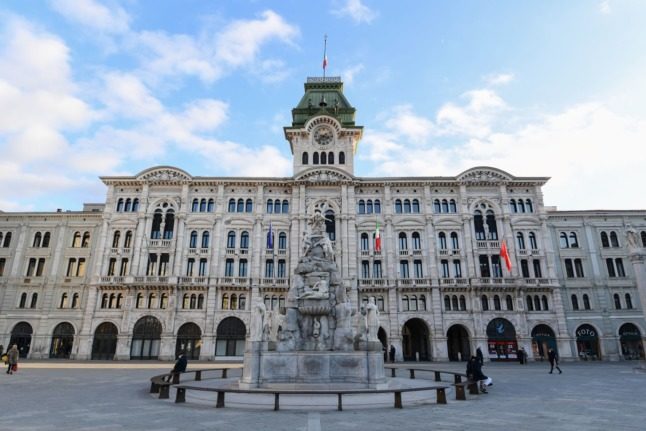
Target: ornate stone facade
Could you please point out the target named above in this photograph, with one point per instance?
(174, 262)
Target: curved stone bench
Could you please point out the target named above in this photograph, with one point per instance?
(457, 379)
(161, 384)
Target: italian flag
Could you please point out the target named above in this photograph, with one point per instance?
(505, 255)
(377, 239)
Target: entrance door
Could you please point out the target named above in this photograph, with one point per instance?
(62, 341)
(189, 341)
(104, 345)
(631, 342)
(415, 340)
(543, 340)
(21, 335)
(146, 338)
(587, 343)
(230, 337)
(502, 342)
(457, 340)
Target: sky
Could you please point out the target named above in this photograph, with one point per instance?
(93, 88)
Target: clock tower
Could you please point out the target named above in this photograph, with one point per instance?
(323, 135)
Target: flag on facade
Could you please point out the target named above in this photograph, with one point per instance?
(377, 240)
(325, 55)
(505, 255)
(270, 238)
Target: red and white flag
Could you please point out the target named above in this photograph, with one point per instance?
(505, 255)
(377, 240)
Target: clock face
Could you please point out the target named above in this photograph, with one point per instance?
(323, 136)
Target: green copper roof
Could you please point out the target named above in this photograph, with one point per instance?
(323, 96)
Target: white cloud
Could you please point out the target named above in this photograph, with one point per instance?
(604, 7)
(357, 11)
(94, 15)
(499, 79)
(407, 124)
(126, 95)
(472, 119)
(349, 74)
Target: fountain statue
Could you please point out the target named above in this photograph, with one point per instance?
(317, 341)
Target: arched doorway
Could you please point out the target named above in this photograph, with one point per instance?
(21, 336)
(457, 341)
(383, 338)
(189, 341)
(631, 342)
(415, 340)
(146, 338)
(104, 345)
(62, 341)
(501, 336)
(543, 340)
(587, 342)
(230, 337)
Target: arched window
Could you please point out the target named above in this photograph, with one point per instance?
(7, 240)
(575, 302)
(315, 158)
(169, 224)
(492, 225)
(163, 302)
(436, 206)
(274, 302)
(398, 206)
(270, 206)
(323, 158)
(205, 239)
(454, 303)
(532, 241)
(330, 158)
(210, 206)
(510, 303)
(520, 239)
(447, 303)
(341, 158)
(362, 206)
(545, 303)
(140, 300)
(282, 241)
(128, 205)
(407, 206)
(369, 206)
(563, 241)
(23, 301)
(643, 235)
(63, 303)
(413, 303)
(512, 205)
(240, 207)
(445, 206)
(415, 206)
(200, 301)
(405, 304)
(496, 302)
(37, 239)
(277, 206)
(115, 239)
(403, 241)
(186, 301)
(530, 304)
(604, 240)
(463, 303)
(155, 231)
(203, 205)
(85, 242)
(365, 242)
(231, 239)
(193, 302)
(285, 206)
(455, 243)
(152, 299)
(225, 302)
(120, 205)
(232, 206)
(249, 206)
(586, 302)
(629, 301)
(417, 241)
(75, 300)
(529, 206)
(193, 241)
(442, 241)
(104, 300)
(478, 224)
(574, 243)
(614, 241)
(377, 206)
(521, 206)
(537, 303)
(305, 158)
(34, 300)
(484, 301)
(46, 238)
(244, 240)
(617, 301)
(135, 205)
(452, 206)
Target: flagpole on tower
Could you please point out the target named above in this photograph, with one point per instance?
(324, 54)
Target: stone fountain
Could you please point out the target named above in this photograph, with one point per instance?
(319, 341)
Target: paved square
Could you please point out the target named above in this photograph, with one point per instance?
(587, 396)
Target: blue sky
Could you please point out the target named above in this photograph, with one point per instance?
(110, 87)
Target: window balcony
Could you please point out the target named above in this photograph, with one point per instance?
(160, 243)
(417, 252)
(488, 244)
(282, 252)
(372, 282)
(403, 252)
(413, 282)
(365, 253)
(461, 282)
(443, 252)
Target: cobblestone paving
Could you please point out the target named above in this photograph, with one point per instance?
(587, 396)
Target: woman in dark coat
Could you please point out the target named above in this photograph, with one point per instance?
(474, 373)
(554, 361)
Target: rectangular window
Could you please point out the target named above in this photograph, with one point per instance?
(495, 265)
(71, 267)
(403, 269)
(365, 269)
(269, 269)
(376, 269)
(484, 266)
(457, 269)
(537, 268)
(2, 264)
(189, 267)
(445, 269)
(80, 270)
(31, 267)
(111, 265)
(242, 268)
(203, 267)
(152, 264)
(569, 268)
(41, 267)
(163, 263)
(611, 268)
(620, 267)
(281, 270)
(419, 273)
(228, 268)
(124, 267)
(524, 268)
(578, 268)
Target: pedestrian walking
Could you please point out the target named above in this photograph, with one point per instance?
(554, 361)
(479, 356)
(392, 353)
(475, 374)
(522, 356)
(12, 359)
